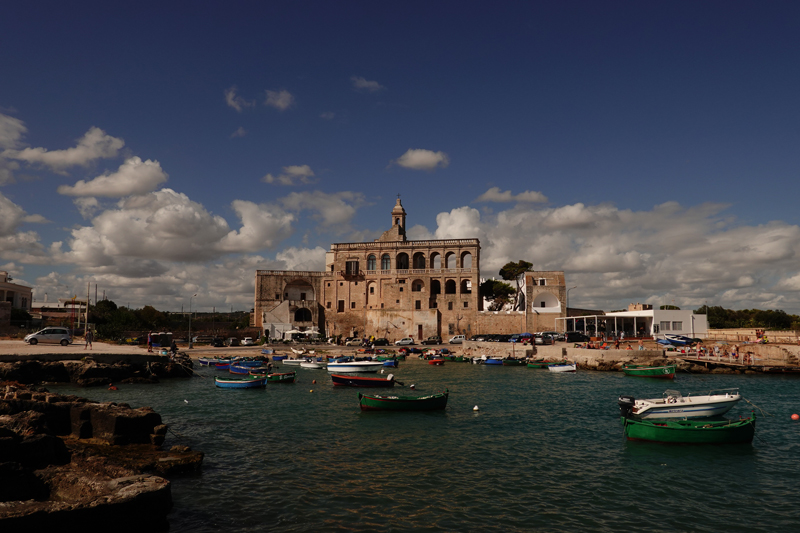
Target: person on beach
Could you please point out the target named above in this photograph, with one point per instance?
(641, 345)
(89, 338)
(629, 347)
(150, 341)
(616, 343)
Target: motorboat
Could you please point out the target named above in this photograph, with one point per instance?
(569, 367)
(673, 404)
(354, 366)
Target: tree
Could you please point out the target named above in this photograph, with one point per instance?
(515, 271)
(497, 292)
(670, 307)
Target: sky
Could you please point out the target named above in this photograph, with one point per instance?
(158, 150)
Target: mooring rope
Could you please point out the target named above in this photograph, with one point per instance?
(757, 407)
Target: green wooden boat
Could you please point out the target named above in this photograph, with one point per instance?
(285, 377)
(703, 431)
(510, 361)
(649, 371)
(390, 402)
(545, 363)
(456, 358)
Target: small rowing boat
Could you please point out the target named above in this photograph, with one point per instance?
(240, 383)
(573, 367)
(386, 402)
(359, 381)
(281, 377)
(691, 431)
(648, 371)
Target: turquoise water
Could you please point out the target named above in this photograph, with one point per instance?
(545, 452)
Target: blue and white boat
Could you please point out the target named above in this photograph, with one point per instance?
(354, 366)
(241, 383)
(570, 367)
(674, 405)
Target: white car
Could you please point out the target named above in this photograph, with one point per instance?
(248, 341)
(50, 336)
(458, 339)
(407, 341)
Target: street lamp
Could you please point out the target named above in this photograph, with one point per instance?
(566, 312)
(190, 320)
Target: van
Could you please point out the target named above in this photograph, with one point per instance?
(458, 339)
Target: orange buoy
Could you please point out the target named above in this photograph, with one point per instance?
(111, 386)
(795, 417)
(314, 382)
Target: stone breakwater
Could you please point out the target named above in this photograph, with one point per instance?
(72, 464)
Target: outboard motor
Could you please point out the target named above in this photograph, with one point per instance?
(626, 404)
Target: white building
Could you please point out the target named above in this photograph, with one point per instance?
(642, 320)
(19, 296)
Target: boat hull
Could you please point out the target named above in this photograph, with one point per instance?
(359, 381)
(643, 371)
(563, 368)
(356, 366)
(242, 383)
(691, 431)
(385, 402)
(285, 377)
(545, 364)
(675, 406)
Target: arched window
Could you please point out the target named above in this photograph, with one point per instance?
(450, 286)
(402, 261)
(436, 260)
(436, 287)
(417, 285)
(466, 260)
(450, 260)
(386, 262)
(419, 260)
(371, 262)
(302, 315)
(466, 286)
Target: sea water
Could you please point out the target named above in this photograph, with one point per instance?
(544, 451)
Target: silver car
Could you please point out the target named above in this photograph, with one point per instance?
(50, 336)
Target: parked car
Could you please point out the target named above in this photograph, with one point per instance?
(457, 339)
(556, 335)
(50, 336)
(248, 341)
(232, 341)
(381, 342)
(406, 341)
(352, 341)
(435, 339)
(576, 336)
(542, 338)
(217, 343)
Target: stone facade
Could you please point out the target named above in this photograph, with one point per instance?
(396, 288)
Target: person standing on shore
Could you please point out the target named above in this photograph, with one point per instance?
(150, 341)
(89, 337)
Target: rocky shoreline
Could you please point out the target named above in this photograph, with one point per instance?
(69, 462)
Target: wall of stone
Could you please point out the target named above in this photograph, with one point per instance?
(500, 322)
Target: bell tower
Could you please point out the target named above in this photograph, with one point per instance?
(399, 216)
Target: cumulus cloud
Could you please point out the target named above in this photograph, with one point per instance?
(11, 132)
(333, 210)
(280, 100)
(420, 159)
(95, 144)
(292, 175)
(87, 206)
(361, 84)
(17, 245)
(235, 101)
(303, 258)
(134, 176)
(496, 195)
(262, 227)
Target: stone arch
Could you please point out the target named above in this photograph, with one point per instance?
(302, 315)
(436, 287)
(466, 286)
(401, 263)
(466, 260)
(436, 260)
(450, 286)
(546, 302)
(450, 260)
(417, 285)
(386, 262)
(298, 290)
(371, 262)
(419, 261)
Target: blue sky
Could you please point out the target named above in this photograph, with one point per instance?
(160, 150)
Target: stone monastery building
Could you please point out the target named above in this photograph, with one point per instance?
(397, 288)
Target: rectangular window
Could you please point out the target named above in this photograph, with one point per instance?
(401, 281)
(664, 326)
(466, 304)
(341, 306)
(449, 306)
(328, 305)
(372, 290)
(351, 268)
(352, 305)
(277, 296)
(542, 281)
(303, 296)
(381, 306)
(397, 301)
(401, 289)
(418, 304)
(677, 326)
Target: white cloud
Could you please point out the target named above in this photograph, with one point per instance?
(292, 175)
(11, 132)
(134, 176)
(87, 206)
(95, 144)
(262, 227)
(362, 84)
(280, 100)
(303, 258)
(420, 159)
(496, 195)
(240, 132)
(16, 245)
(235, 101)
(333, 210)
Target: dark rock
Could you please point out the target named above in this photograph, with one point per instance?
(20, 483)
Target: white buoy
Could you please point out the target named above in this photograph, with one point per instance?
(187, 401)
(412, 386)
(475, 408)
